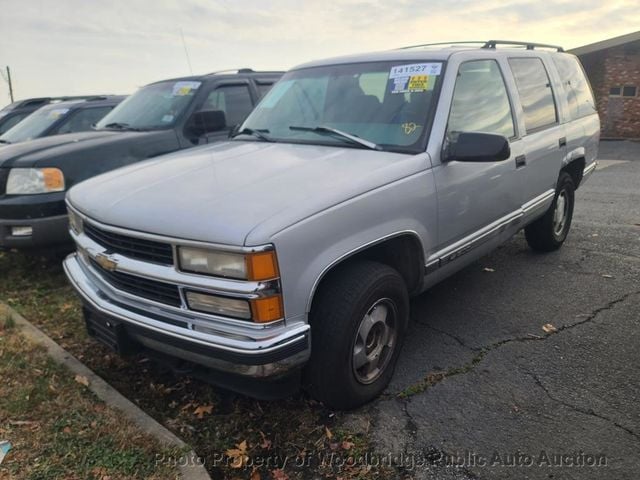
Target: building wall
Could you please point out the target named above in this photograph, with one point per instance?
(616, 67)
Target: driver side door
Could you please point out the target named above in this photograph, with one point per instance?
(477, 199)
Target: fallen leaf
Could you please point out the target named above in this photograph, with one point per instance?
(279, 474)
(347, 445)
(238, 455)
(548, 328)
(65, 307)
(328, 433)
(487, 269)
(82, 380)
(66, 429)
(201, 410)
(255, 475)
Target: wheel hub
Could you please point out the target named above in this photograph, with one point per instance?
(375, 341)
(560, 213)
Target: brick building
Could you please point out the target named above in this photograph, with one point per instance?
(613, 68)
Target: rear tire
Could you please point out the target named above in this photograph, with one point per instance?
(358, 321)
(549, 232)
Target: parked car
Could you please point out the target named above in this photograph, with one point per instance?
(15, 112)
(159, 118)
(289, 253)
(64, 117)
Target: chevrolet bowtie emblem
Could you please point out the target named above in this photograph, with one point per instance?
(106, 262)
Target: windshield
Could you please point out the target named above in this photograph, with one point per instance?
(152, 107)
(388, 104)
(34, 125)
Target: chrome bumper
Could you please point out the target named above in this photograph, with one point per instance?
(588, 170)
(245, 351)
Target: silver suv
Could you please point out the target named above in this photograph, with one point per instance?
(288, 254)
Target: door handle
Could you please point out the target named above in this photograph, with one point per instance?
(562, 142)
(521, 161)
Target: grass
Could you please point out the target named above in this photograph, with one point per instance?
(291, 438)
(57, 428)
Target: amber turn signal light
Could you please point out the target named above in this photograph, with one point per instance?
(267, 309)
(262, 266)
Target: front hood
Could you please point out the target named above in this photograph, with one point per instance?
(41, 151)
(221, 193)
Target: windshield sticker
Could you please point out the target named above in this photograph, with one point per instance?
(415, 69)
(275, 94)
(413, 84)
(167, 119)
(180, 89)
(57, 113)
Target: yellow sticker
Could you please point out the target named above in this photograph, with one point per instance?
(418, 83)
(183, 91)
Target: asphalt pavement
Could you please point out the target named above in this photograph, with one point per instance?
(525, 365)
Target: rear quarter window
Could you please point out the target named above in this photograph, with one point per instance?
(575, 85)
(534, 89)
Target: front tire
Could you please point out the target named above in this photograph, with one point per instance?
(358, 322)
(549, 232)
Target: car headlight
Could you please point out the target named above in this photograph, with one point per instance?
(75, 221)
(249, 266)
(26, 181)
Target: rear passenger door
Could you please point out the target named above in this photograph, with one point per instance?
(543, 137)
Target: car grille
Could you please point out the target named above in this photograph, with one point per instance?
(141, 287)
(131, 247)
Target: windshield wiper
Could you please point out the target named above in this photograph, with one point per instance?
(122, 126)
(255, 133)
(322, 130)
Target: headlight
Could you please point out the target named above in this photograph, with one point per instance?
(75, 221)
(250, 266)
(25, 181)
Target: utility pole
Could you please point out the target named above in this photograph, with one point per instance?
(10, 85)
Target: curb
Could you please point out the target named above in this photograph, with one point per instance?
(189, 465)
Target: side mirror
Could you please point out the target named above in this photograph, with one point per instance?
(477, 147)
(207, 121)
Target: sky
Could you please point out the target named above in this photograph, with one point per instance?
(84, 47)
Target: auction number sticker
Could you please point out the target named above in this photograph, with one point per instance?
(180, 89)
(57, 113)
(417, 77)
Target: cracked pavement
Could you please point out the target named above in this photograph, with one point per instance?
(478, 376)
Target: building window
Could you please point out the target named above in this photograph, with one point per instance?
(626, 91)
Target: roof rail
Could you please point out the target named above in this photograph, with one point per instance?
(231, 70)
(483, 42)
(488, 44)
(528, 45)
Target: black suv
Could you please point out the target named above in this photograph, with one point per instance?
(159, 118)
(15, 112)
(62, 117)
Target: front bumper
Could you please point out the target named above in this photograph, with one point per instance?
(250, 353)
(45, 232)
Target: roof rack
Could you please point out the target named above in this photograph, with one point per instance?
(489, 44)
(483, 42)
(231, 70)
(528, 45)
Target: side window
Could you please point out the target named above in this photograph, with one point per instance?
(82, 120)
(535, 92)
(480, 100)
(233, 100)
(576, 86)
(263, 88)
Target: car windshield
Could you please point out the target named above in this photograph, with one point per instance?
(155, 106)
(35, 124)
(385, 104)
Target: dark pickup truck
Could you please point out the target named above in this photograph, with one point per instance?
(159, 118)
